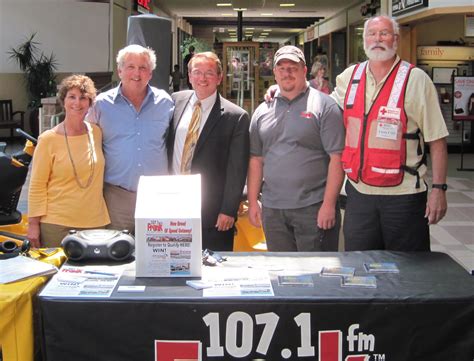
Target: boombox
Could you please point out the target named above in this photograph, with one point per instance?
(93, 244)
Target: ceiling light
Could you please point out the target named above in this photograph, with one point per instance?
(267, 30)
(266, 14)
(287, 5)
(224, 4)
(249, 28)
(227, 14)
(240, 9)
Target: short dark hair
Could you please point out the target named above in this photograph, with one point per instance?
(209, 55)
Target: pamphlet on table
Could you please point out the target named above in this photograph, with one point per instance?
(85, 281)
(21, 267)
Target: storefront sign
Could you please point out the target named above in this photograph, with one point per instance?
(404, 6)
(143, 6)
(457, 53)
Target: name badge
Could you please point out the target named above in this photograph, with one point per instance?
(387, 129)
(389, 113)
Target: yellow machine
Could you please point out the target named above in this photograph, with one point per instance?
(13, 173)
(247, 237)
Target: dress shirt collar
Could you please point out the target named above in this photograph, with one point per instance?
(120, 93)
(206, 103)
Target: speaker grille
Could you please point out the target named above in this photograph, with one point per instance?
(120, 250)
(74, 250)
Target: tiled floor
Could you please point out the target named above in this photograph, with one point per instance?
(454, 235)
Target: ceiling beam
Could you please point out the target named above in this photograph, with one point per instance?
(298, 23)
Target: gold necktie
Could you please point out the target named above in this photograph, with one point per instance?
(191, 139)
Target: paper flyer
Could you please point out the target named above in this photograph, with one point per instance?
(168, 246)
(239, 284)
(168, 226)
(85, 281)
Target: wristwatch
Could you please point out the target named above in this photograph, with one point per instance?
(443, 186)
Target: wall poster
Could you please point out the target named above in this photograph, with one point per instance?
(463, 104)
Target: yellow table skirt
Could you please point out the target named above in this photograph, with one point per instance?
(16, 314)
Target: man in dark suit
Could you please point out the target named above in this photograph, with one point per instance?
(209, 136)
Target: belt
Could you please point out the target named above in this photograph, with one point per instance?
(120, 187)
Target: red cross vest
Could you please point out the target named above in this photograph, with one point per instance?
(375, 147)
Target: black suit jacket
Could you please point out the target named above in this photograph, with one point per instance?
(221, 155)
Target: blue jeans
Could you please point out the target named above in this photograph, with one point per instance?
(290, 230)
(385, 222)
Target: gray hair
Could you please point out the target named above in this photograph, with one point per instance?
(317, 66)
(395, 26)
(138, 50)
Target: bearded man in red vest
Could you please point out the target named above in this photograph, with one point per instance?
(391, 109)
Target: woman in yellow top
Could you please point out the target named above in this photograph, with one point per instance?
(68, 171)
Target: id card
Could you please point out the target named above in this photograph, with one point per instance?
(387, 129)
(388, 122)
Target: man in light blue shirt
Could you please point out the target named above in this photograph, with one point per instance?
(134, 118)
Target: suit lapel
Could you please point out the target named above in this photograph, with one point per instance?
(211, 122)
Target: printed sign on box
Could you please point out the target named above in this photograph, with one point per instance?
(168, 226)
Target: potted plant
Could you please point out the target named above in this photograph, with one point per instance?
(40, 79)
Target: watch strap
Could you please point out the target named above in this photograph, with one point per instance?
(443, 186)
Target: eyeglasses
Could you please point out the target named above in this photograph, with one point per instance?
(383, 34)
(290, 69)
(208, 74)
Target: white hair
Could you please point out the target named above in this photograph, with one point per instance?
(395, 26)
(138, 50)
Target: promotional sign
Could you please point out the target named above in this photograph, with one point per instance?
(463, 104)
(405, 6)
(168, 226)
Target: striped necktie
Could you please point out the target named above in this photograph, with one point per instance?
(191, 139)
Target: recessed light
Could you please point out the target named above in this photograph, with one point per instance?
(266, 14)
(287, 5)
(227, 14)
(224, 4)
(267, 30)
(240, 9)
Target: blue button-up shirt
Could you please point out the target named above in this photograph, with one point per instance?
(134, 142)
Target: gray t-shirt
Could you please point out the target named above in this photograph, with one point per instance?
(295, 139)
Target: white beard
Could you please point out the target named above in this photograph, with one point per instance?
(380, 55)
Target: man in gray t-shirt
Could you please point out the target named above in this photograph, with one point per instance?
(296, 143)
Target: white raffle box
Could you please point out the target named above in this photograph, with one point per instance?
(168, 226)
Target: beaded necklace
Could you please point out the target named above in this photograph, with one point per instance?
(91, 157)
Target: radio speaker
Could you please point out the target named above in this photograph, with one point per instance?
(94, 244)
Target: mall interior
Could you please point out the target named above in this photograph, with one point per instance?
(84, 37)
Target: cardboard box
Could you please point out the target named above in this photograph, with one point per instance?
(168, 226)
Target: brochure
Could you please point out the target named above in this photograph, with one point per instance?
(381, 267)
(296, 280)
(359, 281)
(20, 267)
(337, 271)
(84, 281)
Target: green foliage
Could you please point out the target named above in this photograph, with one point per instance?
(38, 68)
(199, 46)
